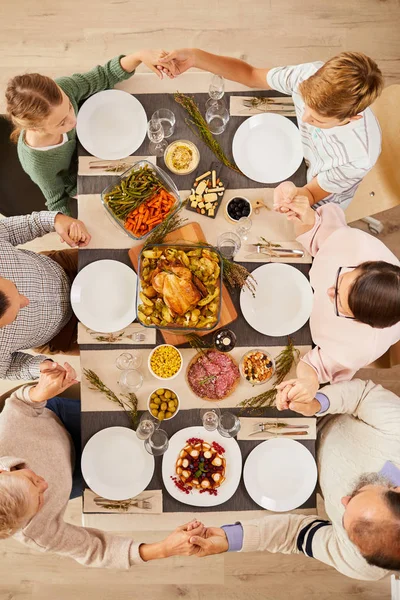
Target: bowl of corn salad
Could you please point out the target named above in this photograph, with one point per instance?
(165, 362)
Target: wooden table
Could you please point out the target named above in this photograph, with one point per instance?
(246, 336)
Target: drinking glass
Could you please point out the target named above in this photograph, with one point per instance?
(128, 360)
(157, 443)
(147, 426)
(155, 132)
(217, 117)
(228, 244)
(167, 119)
(216, 89)
(209, 415)
(243, 227)
(130, 380)
(229, 425)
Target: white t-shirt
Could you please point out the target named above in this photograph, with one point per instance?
(339, 157)
(63, 141)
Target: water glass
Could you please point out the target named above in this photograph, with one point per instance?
(228, 244)
(128, 360)
(147, 426)
(216, 89)
(243, 227)
(155, 132)
(209, 415)
(157, 443)
(167, 119)
(217, 117)
(229, 425)
(130, 380)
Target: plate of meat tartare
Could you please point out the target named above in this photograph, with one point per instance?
(213, 375)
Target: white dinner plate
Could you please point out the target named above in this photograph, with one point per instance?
(280, 474)
(267, 148)
(111, 124)
(115, 464)
(282, 303)
(233, 467)
(103, 296)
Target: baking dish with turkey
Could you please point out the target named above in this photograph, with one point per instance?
(180, 286)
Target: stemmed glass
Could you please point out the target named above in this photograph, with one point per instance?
(129, 360)
(228, 425)
(157, 443)
(216, 91)
(209, 415)
(155, 133)
(243, 227)
(147, 426)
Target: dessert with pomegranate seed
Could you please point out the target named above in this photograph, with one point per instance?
(200, 466)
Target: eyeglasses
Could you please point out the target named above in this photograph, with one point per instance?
(336, 293)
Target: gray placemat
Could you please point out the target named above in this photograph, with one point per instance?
(152, 102)
(245, 334)
(92, 422)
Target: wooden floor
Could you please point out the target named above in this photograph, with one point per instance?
(62, 37)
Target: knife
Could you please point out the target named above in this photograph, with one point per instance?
(272, 434)
(262, 247)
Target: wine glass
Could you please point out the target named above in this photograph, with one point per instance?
(209, 415)
(147, 426)
(228, 244)
(243, 227)
(155, 133)
(229, 425)
(217, 117)
(130, 380)
(216, 91)
(167, 119)
(128, 360)
(157, 443)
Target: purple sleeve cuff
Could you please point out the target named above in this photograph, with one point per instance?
(234, 535)
(324, 402)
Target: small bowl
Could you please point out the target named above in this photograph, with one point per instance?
(196, 157)
(159, 376)
(235, 198)
(249, 353)
(177, 409)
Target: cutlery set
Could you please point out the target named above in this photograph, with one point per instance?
(272, 251)
(275, 429)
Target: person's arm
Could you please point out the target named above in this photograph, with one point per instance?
(313, 228)
(25, 228)
(179, 61)
(20, 365)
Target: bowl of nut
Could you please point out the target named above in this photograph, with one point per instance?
(163, 404)
(257, 366)
(165, 362)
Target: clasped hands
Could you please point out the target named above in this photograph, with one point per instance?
(191, 539)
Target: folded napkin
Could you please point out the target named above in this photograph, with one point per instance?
(282, 106)
(149, 501)
(93, 166)
(249, 425)
(124, 336)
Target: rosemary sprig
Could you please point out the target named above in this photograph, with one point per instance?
(198, 125)
(270, 244)
(208, 379)
(172, 222)
(130, 406)
(283, 363)
(236, 275)
(198, 343)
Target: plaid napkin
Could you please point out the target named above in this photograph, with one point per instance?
(148, 502)
(249, 425)
(92, 166)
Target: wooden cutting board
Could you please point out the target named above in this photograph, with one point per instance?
(191, 232)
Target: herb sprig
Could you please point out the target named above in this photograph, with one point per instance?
(129, 405)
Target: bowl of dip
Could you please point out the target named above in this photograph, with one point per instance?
(182, 157)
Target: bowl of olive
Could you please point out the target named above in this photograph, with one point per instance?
(163, 404)
(238, 207)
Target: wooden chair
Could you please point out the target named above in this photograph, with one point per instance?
(380, 190)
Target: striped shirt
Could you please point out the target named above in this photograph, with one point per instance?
(338, 157)
(46, 286)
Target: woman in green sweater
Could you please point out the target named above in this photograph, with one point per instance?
(44, 111)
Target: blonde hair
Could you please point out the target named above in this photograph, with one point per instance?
(344, 86)
(30, 99)
(14, 505)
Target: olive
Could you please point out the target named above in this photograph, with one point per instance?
(160, 392)
(164, 406)
(168, 415)
(161, 415)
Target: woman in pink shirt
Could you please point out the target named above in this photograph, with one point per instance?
(356, 309)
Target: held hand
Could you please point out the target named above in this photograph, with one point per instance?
(179, 60)
(285, 192)
(296, 391)
(178, 542)
(53, 380)
(299, 211)
(214, 542)
(152, 58)
(71, 231)
(308, 409)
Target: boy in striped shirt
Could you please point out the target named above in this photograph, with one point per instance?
(340, 134)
